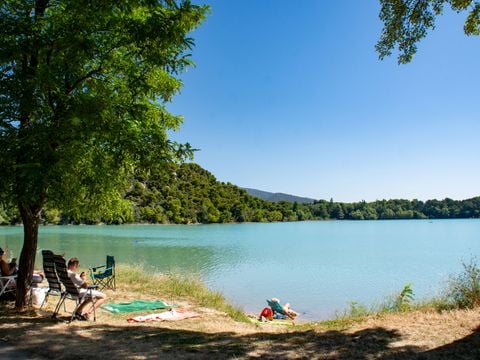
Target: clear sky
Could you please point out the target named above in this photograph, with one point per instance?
(290, 96)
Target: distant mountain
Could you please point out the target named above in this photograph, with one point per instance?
(276, 197)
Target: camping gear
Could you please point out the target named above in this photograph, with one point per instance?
(8, 285)
(106, 278)
(266, 313)
(54, 285)
(276, 307)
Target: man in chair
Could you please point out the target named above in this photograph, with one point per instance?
(79, 281)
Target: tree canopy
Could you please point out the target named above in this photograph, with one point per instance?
(83, 88)
(406, 22)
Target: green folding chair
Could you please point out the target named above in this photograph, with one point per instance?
(105, 279)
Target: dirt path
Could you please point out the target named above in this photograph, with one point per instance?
(417, 335)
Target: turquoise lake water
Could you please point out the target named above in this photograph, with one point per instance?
(319, 267)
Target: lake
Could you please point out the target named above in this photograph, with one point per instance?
(319, 267)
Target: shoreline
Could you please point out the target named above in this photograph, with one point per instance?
(248, 222)
(425, 334)
(319, 299)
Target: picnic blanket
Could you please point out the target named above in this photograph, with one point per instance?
(137, 305)
(171, 315)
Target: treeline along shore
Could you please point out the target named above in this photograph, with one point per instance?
(189, 194)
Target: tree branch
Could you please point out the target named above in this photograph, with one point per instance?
(77, 82)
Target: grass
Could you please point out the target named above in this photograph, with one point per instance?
(394, 329)
(134, 279)
(463, 291)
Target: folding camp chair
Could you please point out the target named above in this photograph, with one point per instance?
(8, 285)
(277, 308)
(71, 291)
(54, 285)
(105, 278)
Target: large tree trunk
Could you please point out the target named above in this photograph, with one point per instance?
(31, 220)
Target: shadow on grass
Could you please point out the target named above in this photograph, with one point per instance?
(94, 340)
(465, 348)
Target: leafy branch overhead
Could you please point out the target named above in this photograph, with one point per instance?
(83, 88)
(406, 22)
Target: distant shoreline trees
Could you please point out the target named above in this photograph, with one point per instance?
(189, 194)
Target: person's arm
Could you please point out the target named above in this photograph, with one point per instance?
(5, 268)
(84, 284)
(77, 279)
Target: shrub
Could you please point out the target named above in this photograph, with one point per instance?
(358, 310)
(403, 301)
(464, 289)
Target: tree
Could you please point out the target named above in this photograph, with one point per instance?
(83, 87)
(406, 22)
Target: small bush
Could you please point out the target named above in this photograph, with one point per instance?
(357, 310)
(403, 301)
(464, 289)
(400, 302)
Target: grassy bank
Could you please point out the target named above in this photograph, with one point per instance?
(413, 331)
(462, 292)
(135, 282)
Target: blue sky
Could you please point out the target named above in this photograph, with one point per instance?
(291, 97)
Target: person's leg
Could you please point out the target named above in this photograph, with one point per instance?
(99, 300)
(83, 305)
(97, 304)
(289, 311)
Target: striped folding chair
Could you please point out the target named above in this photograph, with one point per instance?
(71, 291)
(8, 285)
(54, 285)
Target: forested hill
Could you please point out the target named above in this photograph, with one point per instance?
(188, 193)
(277, 197)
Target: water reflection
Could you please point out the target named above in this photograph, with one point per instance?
(164, 254)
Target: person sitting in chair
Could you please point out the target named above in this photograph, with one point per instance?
(7, 269)
(79, 281)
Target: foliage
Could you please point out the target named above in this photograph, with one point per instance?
(406, 22)
(83, 88)
(357, 310)
(464, 289)
(188, 194)
(8, 215)
(402, 301)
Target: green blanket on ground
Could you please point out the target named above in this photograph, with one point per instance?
(137, 305)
